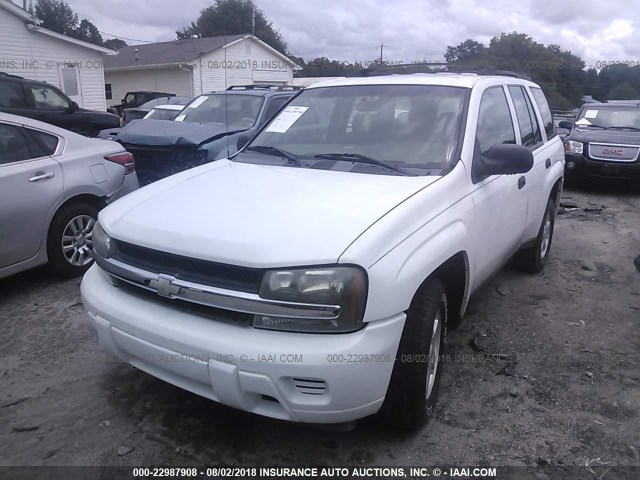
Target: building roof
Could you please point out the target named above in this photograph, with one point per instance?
(176, 52)
(32, 23)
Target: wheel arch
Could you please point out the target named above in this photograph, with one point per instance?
(454, 275)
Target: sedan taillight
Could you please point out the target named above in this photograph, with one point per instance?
(125, 159)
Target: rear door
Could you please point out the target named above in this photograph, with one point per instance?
(530, 136)
(30, 184)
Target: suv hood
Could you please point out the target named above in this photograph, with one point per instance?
(257, 215)
(169, 132)
(597, 135)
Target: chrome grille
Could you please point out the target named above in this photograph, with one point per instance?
(613, 153)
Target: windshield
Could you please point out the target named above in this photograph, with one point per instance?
(610, 117)
(163, 114)
(413, 128)
(238, 112)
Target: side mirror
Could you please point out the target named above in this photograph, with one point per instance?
(73, 107)
(504, 159)
(565, 124)
(243, 139)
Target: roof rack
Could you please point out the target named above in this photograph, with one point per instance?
(436, 67)
(5, 74)
(263, 87)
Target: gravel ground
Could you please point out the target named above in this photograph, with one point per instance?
(543, 371)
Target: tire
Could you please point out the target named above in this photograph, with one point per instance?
(534, 258)
(61, 226)
(409, 400)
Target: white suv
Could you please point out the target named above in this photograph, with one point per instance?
(311, 276)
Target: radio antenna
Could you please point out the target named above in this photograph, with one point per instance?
(226, 98)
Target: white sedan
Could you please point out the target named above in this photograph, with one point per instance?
(53, 182)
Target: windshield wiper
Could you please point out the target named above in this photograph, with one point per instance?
(595, 125)
(269, 150)
(635, 129)
(356, 157)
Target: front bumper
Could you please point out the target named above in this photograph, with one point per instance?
(298, 377)
(577, 165)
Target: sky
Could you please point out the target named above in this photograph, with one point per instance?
(411, 30)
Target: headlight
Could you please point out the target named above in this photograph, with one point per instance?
(102, 243)
(571, 146)
(345, 287)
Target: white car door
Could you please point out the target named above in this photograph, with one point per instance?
(500, 200)
(530, 136)
(30, 184)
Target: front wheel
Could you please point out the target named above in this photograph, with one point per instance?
(534, 258)
(69, 243)
(413, 389)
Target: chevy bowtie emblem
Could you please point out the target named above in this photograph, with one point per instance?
(164, 285)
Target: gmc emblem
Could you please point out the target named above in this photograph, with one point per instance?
(613, 151)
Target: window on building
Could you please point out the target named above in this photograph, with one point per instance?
(107, 91)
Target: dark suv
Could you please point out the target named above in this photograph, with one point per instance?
(213, 126)
(42, 101)
(604, 142)
(135, 99)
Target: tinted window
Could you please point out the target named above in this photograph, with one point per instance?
(534, 118)
(162, 114)
(13, 145)
(11, 95)
(46, 98)
(529, 133)
(545, 111)
(273, 106)
(494, 120)
(49, 143)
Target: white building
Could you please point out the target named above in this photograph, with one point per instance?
(192, 66)
(30, 51)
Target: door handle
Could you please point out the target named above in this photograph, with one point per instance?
(521, 183)
(547, 164)
(42, 176)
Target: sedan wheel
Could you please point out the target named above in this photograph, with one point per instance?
(69, 242)
(76, 240)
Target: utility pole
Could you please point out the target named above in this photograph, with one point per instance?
(381, 52)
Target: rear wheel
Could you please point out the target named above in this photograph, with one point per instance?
(70, 239)
(413, 389)
(534, 258)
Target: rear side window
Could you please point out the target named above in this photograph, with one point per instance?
(495, 125)
(11, 95)
(13, 145)
(47, 142)
(529, 130)
(545, 111)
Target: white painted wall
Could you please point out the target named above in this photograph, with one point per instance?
(37, 56)
(247, 63)
(170, 80)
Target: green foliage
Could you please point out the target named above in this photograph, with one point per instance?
(58, 16)
(233, 17)
(115, 43)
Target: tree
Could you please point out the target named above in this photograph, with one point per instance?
(115, 43)
(88, 32)
(466, 51)
(233, 17)
(58, 16)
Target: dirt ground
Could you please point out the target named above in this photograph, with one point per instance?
(543, 372)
